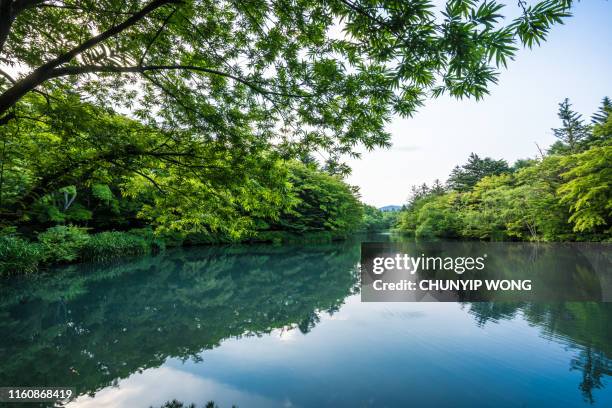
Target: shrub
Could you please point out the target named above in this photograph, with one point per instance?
(18, 255)
(113, 244)
(157, 244)
(62, 243)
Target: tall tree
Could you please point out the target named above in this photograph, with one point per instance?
(465, 177)
(601, 116)
(573, 129)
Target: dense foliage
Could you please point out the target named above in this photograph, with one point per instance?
(376, 220)
(464, 178)
(323, 203)
(318, 206)
(80, 163)
(190, 116)
(222, 89)
(565, 195)
(231, 70)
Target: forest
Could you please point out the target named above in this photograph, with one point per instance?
(129, 126)
(563, 195)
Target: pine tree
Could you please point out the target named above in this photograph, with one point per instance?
(465, 177)
(437, 187)
(604, 111)
(573, 130)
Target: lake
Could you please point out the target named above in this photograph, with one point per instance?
(284, 326)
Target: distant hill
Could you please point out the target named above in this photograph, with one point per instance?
(390, 208)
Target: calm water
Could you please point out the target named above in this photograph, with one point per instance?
(266, 326)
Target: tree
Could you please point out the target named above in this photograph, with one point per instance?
(573, 130)
(372, 219)
(537, 213)
(274, 67)
(409, 220)
(587, 189)
(187, 37)
(323, 202)
(178, 183)
(465, 177)
(439, 217)
(437, 187)
(522, 163)
(601, 129)
(601, 116)
(483, 208)
(602, 133)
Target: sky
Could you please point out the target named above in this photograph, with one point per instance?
(575, 62)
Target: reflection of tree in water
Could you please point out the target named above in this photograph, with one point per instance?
(87, 326)
(593, 365)
(584, 325)
(309, 322)
(484, 312)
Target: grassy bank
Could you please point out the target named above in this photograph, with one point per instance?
(71, 244)
(68, 244)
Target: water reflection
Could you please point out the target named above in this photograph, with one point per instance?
(284, 326)
(585, 326)
(88, 326)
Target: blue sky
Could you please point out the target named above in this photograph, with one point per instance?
(575, 62)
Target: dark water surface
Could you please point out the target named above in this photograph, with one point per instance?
(265, 326)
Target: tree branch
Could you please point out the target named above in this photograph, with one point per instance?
(88, 69)
(9, 10)
(150, 179)
(43, 73)
(157, 34)
(7, 76)
(85, 10)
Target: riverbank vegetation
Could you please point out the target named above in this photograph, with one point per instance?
(375, 220)
(563, 195)
(93, 220)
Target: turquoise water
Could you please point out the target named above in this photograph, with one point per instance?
(265, 326)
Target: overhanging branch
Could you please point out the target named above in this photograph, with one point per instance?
(88, 69)
(44, 72)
